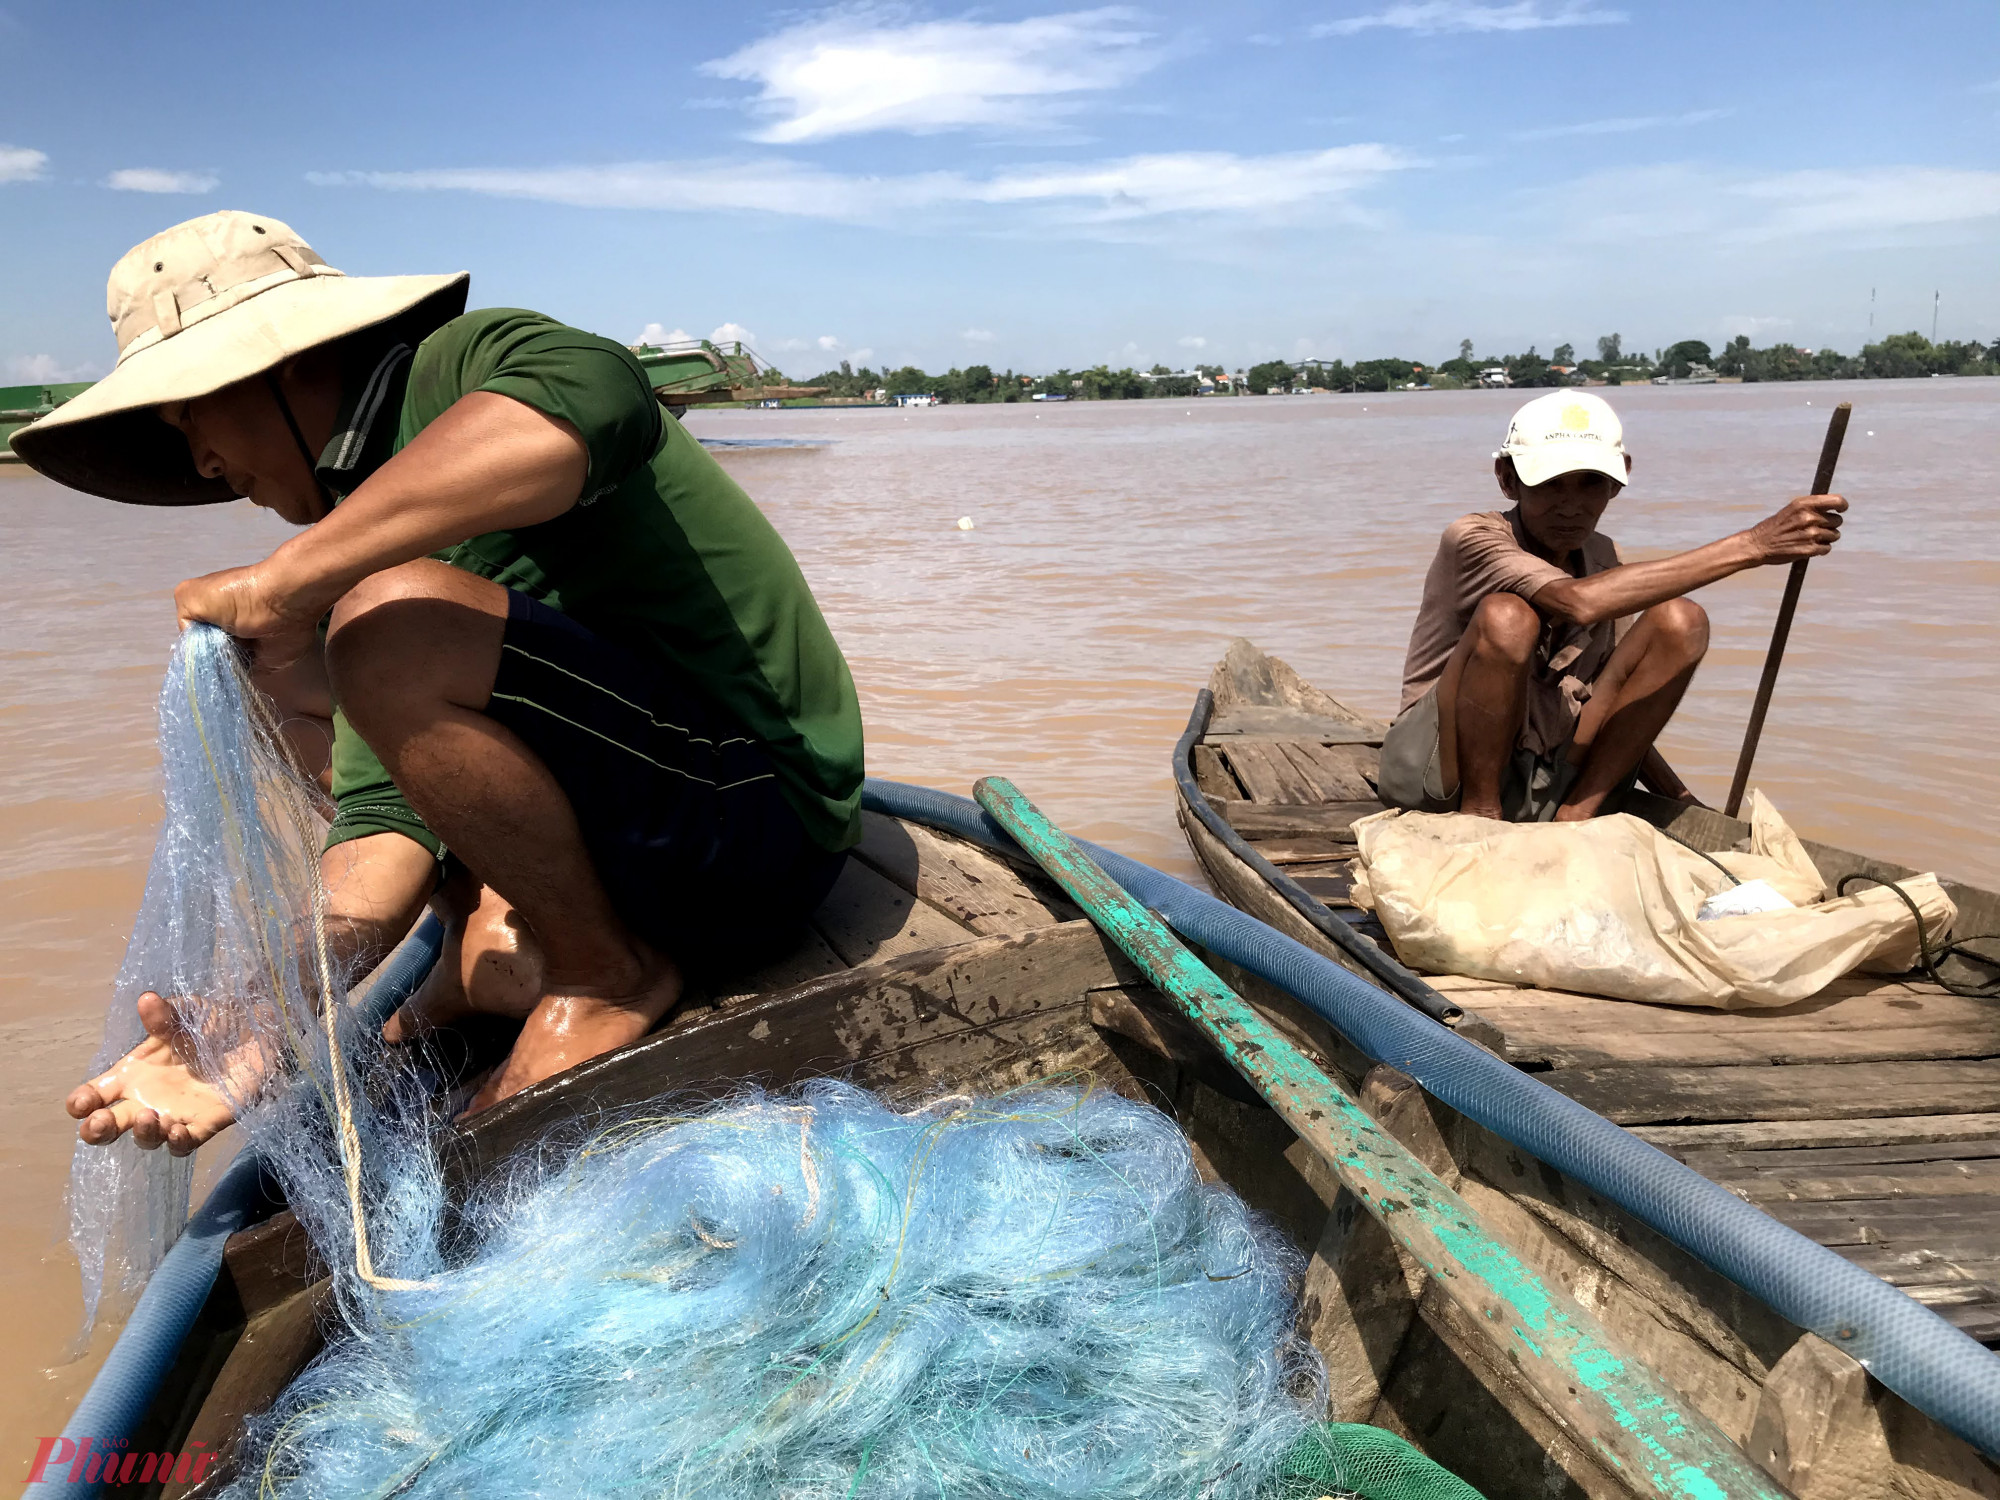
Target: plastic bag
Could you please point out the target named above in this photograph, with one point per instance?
(1609, 907)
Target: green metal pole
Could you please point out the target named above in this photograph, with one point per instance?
(1640, 1427)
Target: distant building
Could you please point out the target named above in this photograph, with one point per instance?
(1495, 375)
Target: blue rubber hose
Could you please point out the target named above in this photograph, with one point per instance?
(148, 1345)
(1932, 1365)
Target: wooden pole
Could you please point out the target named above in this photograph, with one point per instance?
(1829, 455)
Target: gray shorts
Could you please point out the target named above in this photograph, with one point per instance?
(1412, 774)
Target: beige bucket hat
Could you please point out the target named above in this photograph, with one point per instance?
(203, 305)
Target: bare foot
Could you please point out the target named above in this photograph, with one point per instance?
(151, 1092)
(574, 1022)
(490, 965)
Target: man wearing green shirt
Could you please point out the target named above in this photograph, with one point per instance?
(550, 662)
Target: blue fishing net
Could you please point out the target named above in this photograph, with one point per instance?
(814, 1295)
(803, 1295)
(232, 934)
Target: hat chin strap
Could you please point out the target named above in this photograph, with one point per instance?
(277, 391)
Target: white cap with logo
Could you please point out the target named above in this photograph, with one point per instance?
(1563, 432)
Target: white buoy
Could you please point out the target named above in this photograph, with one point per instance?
(965, 523)
(1871, 432)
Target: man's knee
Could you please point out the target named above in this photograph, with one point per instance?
(1506, 625)
(409, 636)
(1682, 626)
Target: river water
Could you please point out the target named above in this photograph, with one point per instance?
(1115, 550)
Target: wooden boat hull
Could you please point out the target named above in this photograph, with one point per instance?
(935, 967)
(1803, 1410)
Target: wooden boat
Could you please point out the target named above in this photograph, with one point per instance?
(22, 404)
(932, 967)
(1867, 1118)
(935, 966)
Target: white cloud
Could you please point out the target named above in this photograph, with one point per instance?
(1188, 182)
(978, 335)
(1867, 204)
(1429, 17)
(1879, 198)
(158, 180)
(1193, 341)
(21, 163)
(45, 369)
(862, 356)
(828, 342)
(728, 333)
(1622, 125)
(858, 70)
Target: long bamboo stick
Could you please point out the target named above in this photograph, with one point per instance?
(1637, 1425)
(1795, 580)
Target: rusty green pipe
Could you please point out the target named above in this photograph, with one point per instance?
(1640, 1427)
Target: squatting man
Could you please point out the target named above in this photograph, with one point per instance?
(555, 672)
(1530, 691)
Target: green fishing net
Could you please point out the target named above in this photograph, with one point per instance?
(1352, 1458)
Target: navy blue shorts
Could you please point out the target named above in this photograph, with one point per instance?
(680, 806)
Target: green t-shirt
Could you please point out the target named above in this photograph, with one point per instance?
(664, 554)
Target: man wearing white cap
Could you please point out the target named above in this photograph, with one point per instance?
(550, 662)
(1523, 698)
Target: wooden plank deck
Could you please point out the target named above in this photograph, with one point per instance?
(1866, 1117)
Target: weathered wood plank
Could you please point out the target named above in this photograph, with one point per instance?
(1329, 819)
(1304, 851)
(862, 1021)
(1884, 1130)
(269, 1262)
(1912, 1265)
(1810, 1091)
(1908, 1180)
(867, 918)
(1857, 1002)
(1269, 775)
(1356, 1306)
(274, 1346)
(1333, 890)
(1548, 1045)
(810, 959)
(1342, 773)
(966, 884)
(1212, 775)
(1260, 723)
(1973, 1152)
(1945, 1224)
(1248, 677)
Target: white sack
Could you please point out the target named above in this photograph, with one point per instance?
(1608, 907)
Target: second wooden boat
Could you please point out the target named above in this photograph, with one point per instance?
(1867, 1118)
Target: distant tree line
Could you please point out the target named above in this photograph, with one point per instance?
(1901, 356)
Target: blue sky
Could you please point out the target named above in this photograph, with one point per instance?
(1034, 185)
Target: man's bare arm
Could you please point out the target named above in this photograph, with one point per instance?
(1806, 527)
(490, 463)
